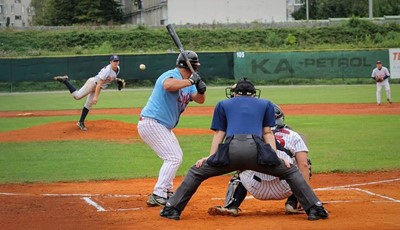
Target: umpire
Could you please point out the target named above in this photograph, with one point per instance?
(243, 139)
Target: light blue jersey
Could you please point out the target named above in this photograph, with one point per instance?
(166, 107)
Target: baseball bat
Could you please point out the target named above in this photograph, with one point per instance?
(177, 41)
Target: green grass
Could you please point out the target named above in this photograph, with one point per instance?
(351, 143)
(337, 143)
(138, 97)
(88, 160)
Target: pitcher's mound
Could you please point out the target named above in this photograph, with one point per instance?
(97, 130)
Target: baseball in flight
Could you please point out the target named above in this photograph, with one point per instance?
(142, 66)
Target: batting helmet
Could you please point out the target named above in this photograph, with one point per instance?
(193, 59)
(279, 116)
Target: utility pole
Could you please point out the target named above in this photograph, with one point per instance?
(371, 15)
(307, 13)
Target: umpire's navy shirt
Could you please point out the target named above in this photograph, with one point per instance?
(243, 115)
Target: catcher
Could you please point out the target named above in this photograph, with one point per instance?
(93, 86)
(381, 76)
(291, 146)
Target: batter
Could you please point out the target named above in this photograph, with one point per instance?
(171, 94)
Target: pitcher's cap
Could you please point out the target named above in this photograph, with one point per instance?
(378, 62)
(114, 58)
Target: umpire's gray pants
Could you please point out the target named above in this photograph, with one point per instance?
(243, 155)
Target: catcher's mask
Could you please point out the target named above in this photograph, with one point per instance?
(242, 87)
(193, 59)
(279, 116)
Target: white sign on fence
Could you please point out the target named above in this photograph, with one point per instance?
(394, 61)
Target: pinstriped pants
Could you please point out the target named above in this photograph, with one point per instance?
(165, 144)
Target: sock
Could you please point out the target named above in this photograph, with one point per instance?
(70, 87)
(84, 113)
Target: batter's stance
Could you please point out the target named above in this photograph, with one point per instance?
(381, 75)
(265, 187)
(93, 86)
(172, 92)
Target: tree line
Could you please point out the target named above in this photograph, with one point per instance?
(324, 9)
(101, 12)
(70, 12)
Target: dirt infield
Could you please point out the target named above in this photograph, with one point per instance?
(121, 205)
(298, 109)
(355, 201)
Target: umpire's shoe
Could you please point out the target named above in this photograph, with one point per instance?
(317, 212)
(155, 200)
(60, 78)
(170, 213)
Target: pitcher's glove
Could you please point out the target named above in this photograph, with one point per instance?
(201, 87)
(379, 78)
(121, 83)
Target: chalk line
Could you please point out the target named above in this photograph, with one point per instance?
(94, 204)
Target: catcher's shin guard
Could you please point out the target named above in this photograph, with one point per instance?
(233, 183)
(235, 194)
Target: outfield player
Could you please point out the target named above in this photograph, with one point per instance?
(243, 139)
(172, 92)
(265, 187)
(92, 87)
(381, 75)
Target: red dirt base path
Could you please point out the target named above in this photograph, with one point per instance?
(121, 205)
(354, 201)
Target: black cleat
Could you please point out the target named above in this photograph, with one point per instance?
(81, 125)
(317, 212)
(170, 213)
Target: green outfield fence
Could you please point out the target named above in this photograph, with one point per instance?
(321, 64)
(230, 65)
(216, 65)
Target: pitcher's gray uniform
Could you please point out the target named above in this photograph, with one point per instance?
(266, 187)
(381, 75)
(92, 87)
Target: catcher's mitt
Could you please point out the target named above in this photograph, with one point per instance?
(121, 83)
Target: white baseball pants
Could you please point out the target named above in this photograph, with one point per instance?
(379, 85)
(87, 89)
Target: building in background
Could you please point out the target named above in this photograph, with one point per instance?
(19, 13)
(15, 13)
(181, 12)
(292, 6)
